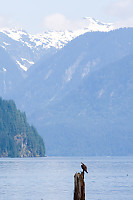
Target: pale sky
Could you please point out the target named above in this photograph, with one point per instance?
(35, 16)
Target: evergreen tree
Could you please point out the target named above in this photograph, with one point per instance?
(17, 137)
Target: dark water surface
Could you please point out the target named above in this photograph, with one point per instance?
(51, 178)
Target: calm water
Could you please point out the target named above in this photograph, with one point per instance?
(51, 178)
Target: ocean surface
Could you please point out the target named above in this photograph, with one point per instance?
(52, 178)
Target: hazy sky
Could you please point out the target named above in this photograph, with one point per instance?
(35, 16)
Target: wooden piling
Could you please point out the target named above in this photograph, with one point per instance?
(79, 186)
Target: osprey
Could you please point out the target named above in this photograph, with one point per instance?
(83, 166)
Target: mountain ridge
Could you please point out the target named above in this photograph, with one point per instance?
(79, 96)
(26, 48)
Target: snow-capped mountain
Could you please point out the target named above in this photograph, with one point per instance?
(26, 49)
(58, 39)
(83, 96)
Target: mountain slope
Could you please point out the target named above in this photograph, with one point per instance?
(96, 117)
(10, 75)
(20, 47)
(82, 96)
(53, 77)
(17, 137)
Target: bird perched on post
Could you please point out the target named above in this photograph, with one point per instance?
(83, 166)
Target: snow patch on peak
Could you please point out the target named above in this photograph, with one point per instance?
(3, 47)
(4, 69)
(22, 66)
(13, 33)
(30, 62)
(92, 24)
(95, 21)
(6, 44)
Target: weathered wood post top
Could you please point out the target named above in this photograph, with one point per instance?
(79, 184)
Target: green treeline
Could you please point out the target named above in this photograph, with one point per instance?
(17, 137)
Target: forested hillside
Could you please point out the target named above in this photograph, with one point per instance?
(17, 137)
